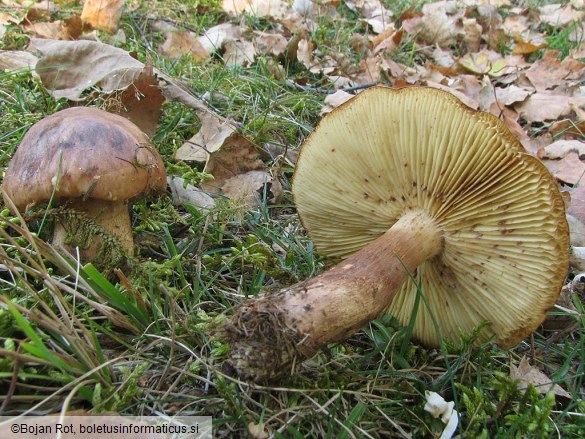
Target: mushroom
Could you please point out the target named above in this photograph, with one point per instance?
(95, 160)
(436, 211)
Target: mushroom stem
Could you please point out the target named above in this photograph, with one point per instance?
(272, 334)
(113, 216)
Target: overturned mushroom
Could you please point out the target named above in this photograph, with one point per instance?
(411, 180)
(95, 160)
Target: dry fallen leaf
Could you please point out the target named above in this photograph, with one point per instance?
(142, 101)
(524, 47)
(215, 37)
(559, 16)
(251, 187)
(103, 14)
(258, 8)
(576, 206)
(541, 107)
(183, 43)
(570, 169)
(550, 72)
(560, 149)
(334, 100)
(485, 62)
(68, 68)
(184, 194)
(239, 53)
(240, 174)
(210, 137)
(527, 374)
(15, 60)
(50, 30)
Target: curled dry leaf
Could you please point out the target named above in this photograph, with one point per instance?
(485, 62)
(334, 100)
(209, 139)
(239, 173)
(17, 60)
(184, 194)
(570, 169)
(103, 14)
(184, 43)
(68, 68)
(258, 8)
(560, 148)
(511, 94)
(239, 53)
(541, 106)
(252, 187)
(550, 71)
(558, 16)
(142, 101)
(527, 374)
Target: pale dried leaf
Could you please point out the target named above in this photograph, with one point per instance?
(441, 22)
(239, 53)
(258, 8)
(142, 101)
(215, 37)
(67, 68)
(182, 43)
(511, 94)
(472, 32)
(17, 60)
(576, 206)
(577, 229)
(209, 138)
(103, 14)
(250, 187)
(541, 107)
(570, 169)
(50, 30)
(186, 194)
(270, 43)
(557, 15)
(334, 100)
(305, 53)
(550, 71)
(561, 148)
(485, 62)
(527, 374)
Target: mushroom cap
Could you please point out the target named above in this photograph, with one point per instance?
(90, 152)
(505, 236)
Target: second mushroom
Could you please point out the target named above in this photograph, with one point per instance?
(94, 160)
(427, 202)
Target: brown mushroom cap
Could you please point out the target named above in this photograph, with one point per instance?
(92, 153)
(505, 248)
